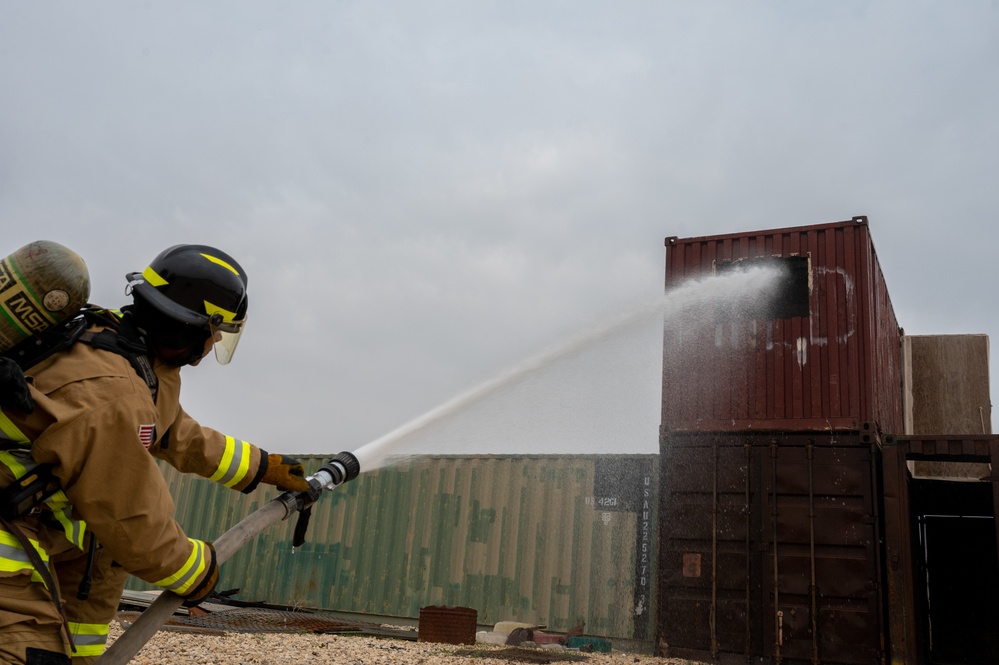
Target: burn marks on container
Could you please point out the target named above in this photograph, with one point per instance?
(788, 299)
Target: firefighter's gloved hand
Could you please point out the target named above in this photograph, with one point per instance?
(14, 387)
(286, 473)
(203, 590)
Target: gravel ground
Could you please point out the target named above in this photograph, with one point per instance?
(295, 649)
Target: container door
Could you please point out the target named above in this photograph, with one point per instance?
(822, 565)
(709, 577)
(770, 552)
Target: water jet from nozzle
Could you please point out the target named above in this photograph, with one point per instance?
(688, 307)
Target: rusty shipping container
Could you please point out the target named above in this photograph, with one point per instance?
(769, 549)
(824, 356)
(541, 539)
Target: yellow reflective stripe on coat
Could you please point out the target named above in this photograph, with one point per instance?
(20, 463)
(235, 463)
(13, 558)
(89, 638)
(62, 510)
(10, 431)
(182, 580)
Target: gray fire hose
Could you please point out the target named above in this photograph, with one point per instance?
(337, 471)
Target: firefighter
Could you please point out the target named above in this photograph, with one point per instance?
(96, 415)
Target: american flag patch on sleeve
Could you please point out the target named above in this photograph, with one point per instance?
(147, 434)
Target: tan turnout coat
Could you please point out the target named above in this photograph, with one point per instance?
(95, 420)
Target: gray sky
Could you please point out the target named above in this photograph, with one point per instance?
(426, 193)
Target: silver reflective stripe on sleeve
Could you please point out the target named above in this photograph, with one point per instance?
(14, 553)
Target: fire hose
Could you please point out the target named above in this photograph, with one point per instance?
(337, 471)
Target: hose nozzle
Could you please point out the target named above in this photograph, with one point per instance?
(337, 471)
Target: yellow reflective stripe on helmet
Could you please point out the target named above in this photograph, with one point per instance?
(215, 259)
(89, 638)
(153, 277)
(211, 308)
(235, 463)
(9, 431)
(182, 580)
(13, 558)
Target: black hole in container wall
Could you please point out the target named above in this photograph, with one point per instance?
(790, 298)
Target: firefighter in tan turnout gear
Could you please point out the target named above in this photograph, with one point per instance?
(96, 415)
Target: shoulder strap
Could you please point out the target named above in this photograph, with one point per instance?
(123, 338)
(120, 336)
(135, 353)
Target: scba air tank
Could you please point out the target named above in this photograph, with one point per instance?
(41, 285)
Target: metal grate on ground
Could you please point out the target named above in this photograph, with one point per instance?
(256, 620)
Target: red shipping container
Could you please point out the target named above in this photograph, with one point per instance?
(769, 549)
(826, 356)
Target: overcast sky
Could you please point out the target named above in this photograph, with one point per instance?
(425, 193)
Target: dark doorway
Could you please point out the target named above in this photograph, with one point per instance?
(959, 585)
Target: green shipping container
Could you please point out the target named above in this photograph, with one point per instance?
(548, 540)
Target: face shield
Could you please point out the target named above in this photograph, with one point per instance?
(225, 336)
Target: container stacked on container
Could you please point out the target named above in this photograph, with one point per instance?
(771, 423)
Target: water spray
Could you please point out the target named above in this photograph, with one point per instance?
(331, 475)
(688, 308)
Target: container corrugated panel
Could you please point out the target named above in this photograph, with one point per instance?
(769, 549)
(833, 363)
(957, 446)
(547, 540)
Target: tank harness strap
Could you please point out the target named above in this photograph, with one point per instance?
(37, 348)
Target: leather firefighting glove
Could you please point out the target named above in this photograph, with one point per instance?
(286, 473)
(14, 387)
(203, 590)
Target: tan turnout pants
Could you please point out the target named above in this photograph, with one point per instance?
(29, 618)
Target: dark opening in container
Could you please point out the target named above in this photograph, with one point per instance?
(958, 577)
(790, 298)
